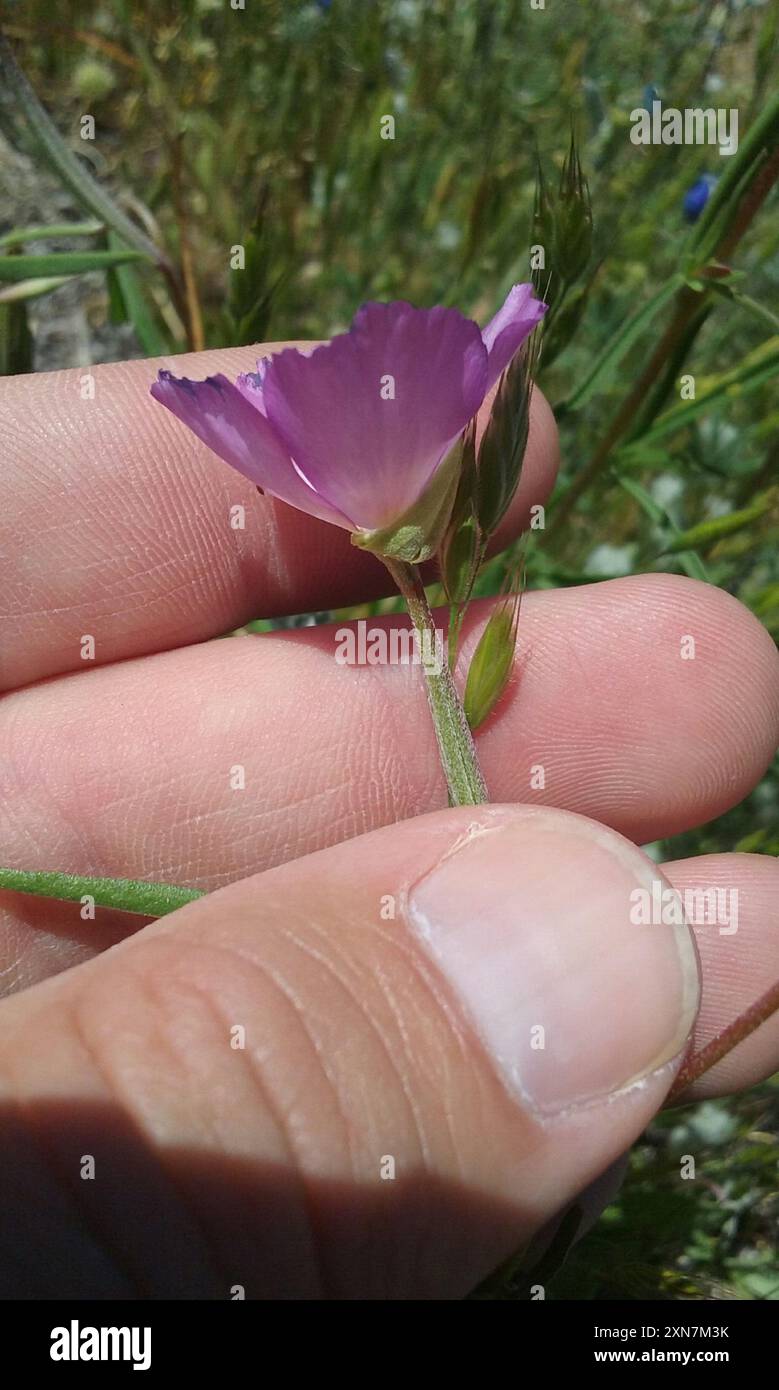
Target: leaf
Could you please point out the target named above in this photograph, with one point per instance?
(604, 366)
(759, 366)
(32, 289)
(707, 532)
(151, 336)
(744, 301)
(58, 229)
(690, 562)
(16, 268)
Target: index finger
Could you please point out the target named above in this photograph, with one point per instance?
(116, 523)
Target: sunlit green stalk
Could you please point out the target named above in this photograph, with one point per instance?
(455, 743)
(122, 894)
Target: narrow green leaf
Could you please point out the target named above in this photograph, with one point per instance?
(759, 366)
(707, 532)
(32, 289)
(58, 229)
(744, 301)
(689, 561)
(16, 268)
(151, 335)
(602, 371)
(644, 499)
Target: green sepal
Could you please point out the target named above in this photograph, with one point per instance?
(417, 534)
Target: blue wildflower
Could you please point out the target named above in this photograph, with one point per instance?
(696, 197)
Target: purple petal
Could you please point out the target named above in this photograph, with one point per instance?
(512, 324)
(250, 384)
(219, 414)
(371, 456)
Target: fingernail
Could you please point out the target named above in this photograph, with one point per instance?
(530, 923)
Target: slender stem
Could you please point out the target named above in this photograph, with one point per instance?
(123, 894)
(455, 743)
(724, 1042)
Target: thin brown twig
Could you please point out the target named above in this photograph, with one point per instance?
(718, 1047)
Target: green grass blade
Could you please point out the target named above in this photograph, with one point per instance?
(619, 345)
(32, 289)
(16, 268)
(58, 229)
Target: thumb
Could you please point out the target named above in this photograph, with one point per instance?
(371, 1073)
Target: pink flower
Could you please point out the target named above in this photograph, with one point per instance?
(355, 431)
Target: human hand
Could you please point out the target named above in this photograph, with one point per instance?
(386, 985)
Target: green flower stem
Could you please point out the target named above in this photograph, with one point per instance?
(123, 894)
(455, 744)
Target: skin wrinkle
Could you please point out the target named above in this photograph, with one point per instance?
(322, 956)
(254, 1074)
(128, 1102)
(134, 1275)
(131, 1096)
(285, 993)
(83, 1219)
(442, 1006)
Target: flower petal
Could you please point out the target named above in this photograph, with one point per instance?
(512, 324)
(370, 415)
(226, 420)
(250, 384)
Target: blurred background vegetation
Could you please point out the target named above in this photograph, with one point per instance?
(260, 127)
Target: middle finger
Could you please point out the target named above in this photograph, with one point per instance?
(206, 764)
